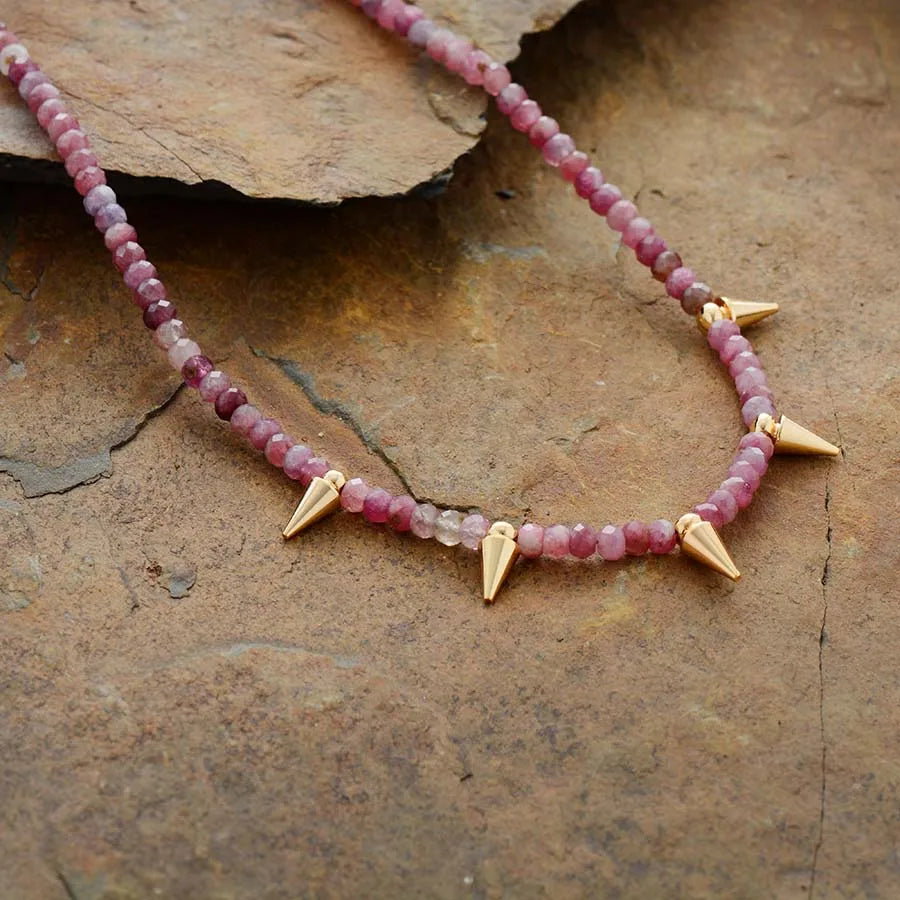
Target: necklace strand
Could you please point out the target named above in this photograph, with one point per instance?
(327, 489)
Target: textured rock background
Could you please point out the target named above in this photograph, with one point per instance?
(340, 715)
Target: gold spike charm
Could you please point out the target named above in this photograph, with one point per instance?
(743, 312)
(322, 497)
(699, 540)
(789, 437)
(498, 553)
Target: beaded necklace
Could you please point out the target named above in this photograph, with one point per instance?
(500, 543)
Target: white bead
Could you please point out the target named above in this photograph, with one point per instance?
(11, 53)
(446, 528)
(169, 332)
(181, 351)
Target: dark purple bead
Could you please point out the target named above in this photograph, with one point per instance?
(228, 401)
(195, 370)
(157, 313)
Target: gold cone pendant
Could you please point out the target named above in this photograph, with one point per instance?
(700, 541)
(498, 554)
(323, 496)
(748, 312)
(790, 437)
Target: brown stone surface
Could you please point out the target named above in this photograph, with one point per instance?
(340, 716)
(307, 100)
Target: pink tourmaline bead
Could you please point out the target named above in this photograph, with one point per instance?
(530, 539)
(719, 332)
(277, 447)
(752, 383)
(637, 538)
(138, 272)
(88, 179)
(604, 198)
(400, 512)
(108, 216)
(39, 95)
(157, 313)
(472, 529)
(353, 495)
(754, 408)
(755, 457)
(294, 461)
(377, 505)
(620, 214)
(60, 124)
(542, 131)
(473, 67)
(611, 542)
(166, 334)
(678, 281)
(437, 45)
(726, 503)
(759, 440)
(661, 533)
(97, 198)
(635, 231)
(7, 37)
(649, 250)
(582, 541)
(244, 418)
(588, 181)
(213, 385)
(32, 80)
(150, 291)
(80, 159)
(118, 236)
(18, 70)
(740, 490)
(181, 351)
(525, 115)
(420, 31)
(709, 513)
(457, 50)
(423, 520)
(742, 469)
(316, 467)
(556, 541)
(737, 343)
(228, 401)
(496, 77)
(405, 18)
(695, 296)
(573, 165)
(370, 7)
(511, 98)
(558, 148)
(70, 141)
(262, 430)
(757, 390)
(48, 109)
(665, 264)
(195, 370)
(743, 361)
(388, 13)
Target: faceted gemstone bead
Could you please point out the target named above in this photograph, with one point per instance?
(604, 198)
(557, 149)
(611, 542)
(742, 469)
(473, 67)
(138, 272)
(649, 249)
(406, 17)
(759, 440)
(277, 447)
(635, 231)
(496, 77)
(388, 13)
(542, 131)
(7, 37)
(726, 503)
(48, 109)
(400, 512)
(19, 69)
(39, 95)
(97, 198)
(181, 351)
(695, 296)
(118, 235)
(127, 254)
(32, 80)
(620, 214)
(10, 54)
(662, 537)
(261, 431)
(244, 418)
(353, 495)
(423, 520)
(150, 291)
(737, 343)
(755, 457)
(88, 179)
(157, 313)
(472, 529)
(213, 385)
(420, 31)
(108, 216)
(530, 539)
(511, 98)
(582, 541)
(60, 124)
(588, 181)
(168, 332)
(525, 115)
(752, 383)
(573, 165)
(315, 467)
(678, 281)
(457, 50)
(743, 361)
(709, 512)
(70, 141)
(758, 390)
(377, 505)
(740, 490)
(228, 401)
(637, 538)
(665, 264)
(556, 541)
(719, 332)
(437, 44)
(371, 7)
(754, 408)
(195, 369)
(294, 461)
(446, 528)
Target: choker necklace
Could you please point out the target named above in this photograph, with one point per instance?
(327, 489)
